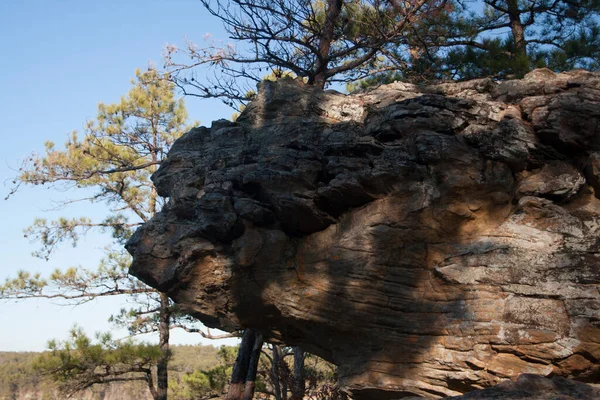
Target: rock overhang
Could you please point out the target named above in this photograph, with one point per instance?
(428, 240)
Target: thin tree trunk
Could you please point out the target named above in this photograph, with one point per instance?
(283, 374)
(298, 386)
(518, 34)
(154, 194)
(162, 374)
(150, 383)
(253, 367)
(284, 390)
(276, 371)
(516, 26)
(240, 368)
(281, 371)
(245, 366)
(164, 313)
(334, 9)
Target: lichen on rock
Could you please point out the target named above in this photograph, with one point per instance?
(428, 240)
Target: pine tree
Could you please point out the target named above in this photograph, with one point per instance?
(79, 363)
(466, 39)
(508, 38)
(113, 160)
(322, 42)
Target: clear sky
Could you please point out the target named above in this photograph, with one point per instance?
(60, 58)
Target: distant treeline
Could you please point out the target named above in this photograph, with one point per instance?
(20, 381)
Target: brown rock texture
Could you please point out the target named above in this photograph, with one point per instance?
(428, 240)
(535, 387)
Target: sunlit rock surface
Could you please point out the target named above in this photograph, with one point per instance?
(428, 240)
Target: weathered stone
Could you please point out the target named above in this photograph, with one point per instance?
(428, 240)
(592, 170)
(533, 387)
(555, 180)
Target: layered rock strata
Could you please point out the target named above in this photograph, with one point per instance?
(428, 240)
(534, 387)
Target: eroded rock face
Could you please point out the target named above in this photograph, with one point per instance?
(428, 240)
(535, 387)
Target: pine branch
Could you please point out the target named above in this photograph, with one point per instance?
(207, 334)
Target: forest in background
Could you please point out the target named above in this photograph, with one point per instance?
(19, 377)
(195, 372)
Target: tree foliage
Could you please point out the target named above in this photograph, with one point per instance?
(509, 37)
(274, 380)
(376, 41)
(79, 362)
(206, 382)
(17, 377)
(110, 163)
(114, 160)
(22, 377)
(320, 41)
(502, 38)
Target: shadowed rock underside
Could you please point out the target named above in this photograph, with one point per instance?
(428, 240)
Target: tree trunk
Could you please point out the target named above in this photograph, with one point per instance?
(240, 368)
(298, 386)
(253, 368)
(518, 33)
(245, 367)
(283, 375)
(276, 371)
(150, 383)
(334, 9)
(516, 26)
(162, 374)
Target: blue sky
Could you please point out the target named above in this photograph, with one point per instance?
(59, 60)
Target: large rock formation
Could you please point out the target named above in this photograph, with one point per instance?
(428, 240)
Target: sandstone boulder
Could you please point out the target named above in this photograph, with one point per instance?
(428, 240)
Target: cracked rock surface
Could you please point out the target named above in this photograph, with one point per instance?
(535, 387)
(429, 241)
